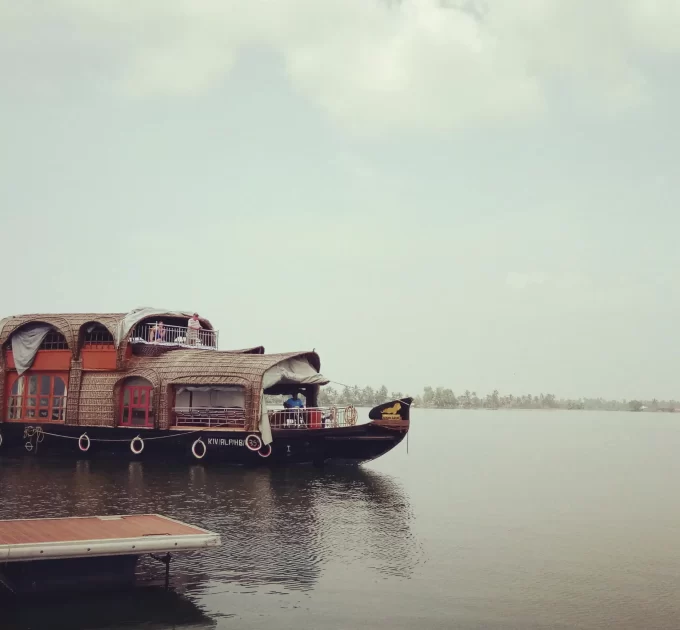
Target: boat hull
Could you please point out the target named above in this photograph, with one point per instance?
(344, 445)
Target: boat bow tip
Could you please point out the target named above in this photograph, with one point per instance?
(399, 409)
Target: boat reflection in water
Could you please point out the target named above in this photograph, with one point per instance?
(279, 527)
(152, 608)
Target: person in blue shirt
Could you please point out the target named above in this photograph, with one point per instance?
(293, 402)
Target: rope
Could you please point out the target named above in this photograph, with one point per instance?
(39, 432)
(158, 437)
(30, 433)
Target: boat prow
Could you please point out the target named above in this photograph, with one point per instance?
(388, 426)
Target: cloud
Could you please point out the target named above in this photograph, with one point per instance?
(567, 281)
(517, 280)
(370, 64)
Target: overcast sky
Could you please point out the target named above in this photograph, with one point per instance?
(479, 195)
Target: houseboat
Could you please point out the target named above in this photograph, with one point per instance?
(153, 383)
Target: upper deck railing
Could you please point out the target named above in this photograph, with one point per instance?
(160, 334)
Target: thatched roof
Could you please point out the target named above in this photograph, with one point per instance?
(198, 365)
(254, 350)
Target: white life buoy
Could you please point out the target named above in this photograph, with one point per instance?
(84, 443)
(253, 442)
(265, 451)
(199, 449)
(137, 451)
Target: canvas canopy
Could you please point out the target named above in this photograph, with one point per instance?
(296, 371)
(26, 343)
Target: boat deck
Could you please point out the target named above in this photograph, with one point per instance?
(82, 537)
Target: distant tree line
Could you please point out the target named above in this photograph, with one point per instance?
(444, 398)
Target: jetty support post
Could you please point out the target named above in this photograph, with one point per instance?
(165, 559)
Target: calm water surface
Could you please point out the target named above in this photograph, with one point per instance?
(492, 520)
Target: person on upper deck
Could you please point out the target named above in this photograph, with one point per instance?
(193, 327)
(157, 333)
(293, 402)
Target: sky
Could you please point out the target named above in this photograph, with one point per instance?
(463, 193)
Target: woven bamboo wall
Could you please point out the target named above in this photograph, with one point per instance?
(97, 405)
(73, 393)
(100, 396)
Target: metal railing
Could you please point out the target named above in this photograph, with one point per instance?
(313, 418)
(160, 334)
(98, 339)
(210, 416)
(54, 341)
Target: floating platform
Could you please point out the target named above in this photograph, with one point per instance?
(48, 553)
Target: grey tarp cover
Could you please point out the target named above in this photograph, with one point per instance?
(25, 344)
(134, 317)
(289, 372)
(292, 372)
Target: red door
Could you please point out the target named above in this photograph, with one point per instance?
(136, 406)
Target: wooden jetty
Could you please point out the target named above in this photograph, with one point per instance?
(100, 551)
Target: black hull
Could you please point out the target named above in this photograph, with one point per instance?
(346, 445)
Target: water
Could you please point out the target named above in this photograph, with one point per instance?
(508, 519)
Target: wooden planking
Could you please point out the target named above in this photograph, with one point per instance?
(50, 530)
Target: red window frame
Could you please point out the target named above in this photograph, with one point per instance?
(136, 402)
(42, 397)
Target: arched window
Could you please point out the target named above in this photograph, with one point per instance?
(54, 341)
(97, 337)
(38, 397)
(137, 403)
